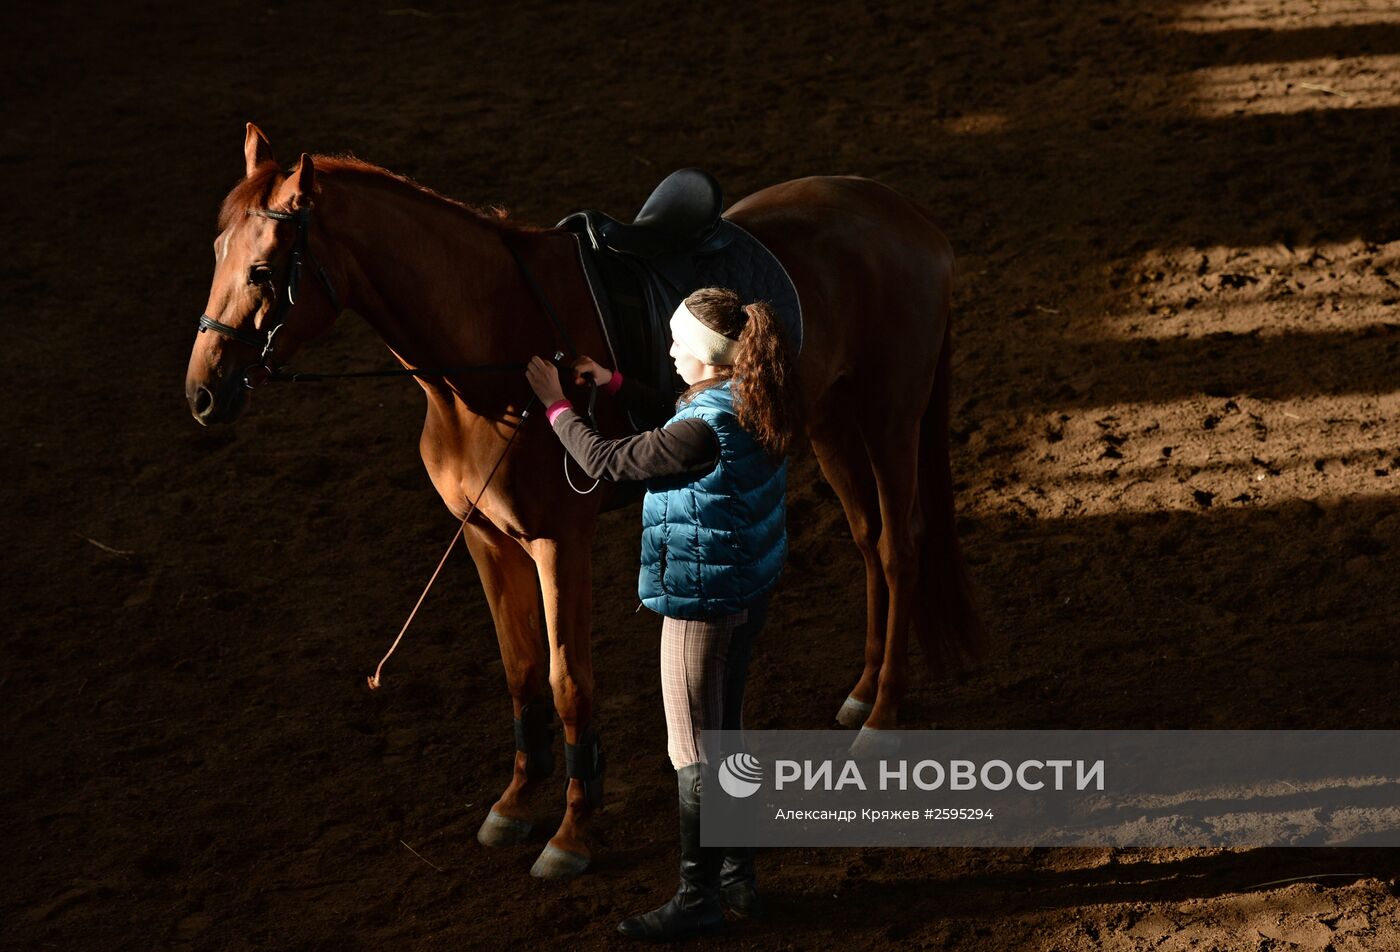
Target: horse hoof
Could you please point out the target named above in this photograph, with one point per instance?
(557, 864)
(497, 830)
(853, 713)
(871, 742)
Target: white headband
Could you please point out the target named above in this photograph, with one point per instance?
(709, 345)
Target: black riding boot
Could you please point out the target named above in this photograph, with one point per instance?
(695, 907)
(737, 882)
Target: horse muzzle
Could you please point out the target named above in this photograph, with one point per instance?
(221, 402)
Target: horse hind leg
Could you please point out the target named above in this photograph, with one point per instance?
(946, 619)
(845, 463)
(508, 578)
(929, 589)
(894, 454)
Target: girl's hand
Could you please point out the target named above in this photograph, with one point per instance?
(544, 380)
(587, 365)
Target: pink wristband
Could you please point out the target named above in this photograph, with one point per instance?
(556, 408)
(613, 383)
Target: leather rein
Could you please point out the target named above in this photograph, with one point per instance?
(265, 370)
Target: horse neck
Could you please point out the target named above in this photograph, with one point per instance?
(436, 282)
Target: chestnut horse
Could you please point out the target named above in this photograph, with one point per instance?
(446, 286)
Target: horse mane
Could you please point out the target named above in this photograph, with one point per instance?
(255, 190)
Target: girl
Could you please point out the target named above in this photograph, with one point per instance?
(714, 542)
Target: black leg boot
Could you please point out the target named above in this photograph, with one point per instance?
(737, 882)
(695, 907)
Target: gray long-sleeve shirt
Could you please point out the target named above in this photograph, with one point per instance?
(687, 447)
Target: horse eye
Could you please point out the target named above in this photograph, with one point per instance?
(259, 274)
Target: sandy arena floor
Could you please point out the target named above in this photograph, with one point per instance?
(1175, 405)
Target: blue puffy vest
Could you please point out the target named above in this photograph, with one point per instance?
(713, 544)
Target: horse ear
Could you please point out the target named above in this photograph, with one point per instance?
(256, 149)
(304, 182)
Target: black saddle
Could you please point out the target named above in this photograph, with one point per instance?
(678, 243)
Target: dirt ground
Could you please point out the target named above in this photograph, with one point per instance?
(1175, 405)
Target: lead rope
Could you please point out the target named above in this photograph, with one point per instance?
(374, 679)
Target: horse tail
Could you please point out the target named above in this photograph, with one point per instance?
(945, 619)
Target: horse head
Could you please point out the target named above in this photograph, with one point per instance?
(261, 306)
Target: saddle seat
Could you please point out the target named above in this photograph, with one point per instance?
(681, 215)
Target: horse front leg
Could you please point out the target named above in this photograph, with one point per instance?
(508, 578)
(566, 581)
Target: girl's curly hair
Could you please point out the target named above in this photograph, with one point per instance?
(766, 398)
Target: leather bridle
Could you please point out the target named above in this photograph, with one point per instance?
(256, 374)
